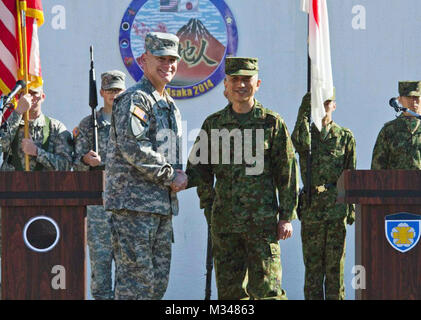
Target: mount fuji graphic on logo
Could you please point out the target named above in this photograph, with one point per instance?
(200, 53)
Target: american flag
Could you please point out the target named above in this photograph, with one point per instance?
(168, 6)
(11, 67)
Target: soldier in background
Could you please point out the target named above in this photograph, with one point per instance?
(143, 174)
(323, 222)
(399, 141)
(99, 229)
(246, 217)
(49, 146)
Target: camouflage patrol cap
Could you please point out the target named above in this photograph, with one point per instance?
(238, 66)
(162, 44)
(113, 79)
(410, 88)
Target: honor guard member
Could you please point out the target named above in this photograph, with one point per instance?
(250, 207)
(323, 221)
(143, 173)
(99, 229)
(49, 146)
(398, 145)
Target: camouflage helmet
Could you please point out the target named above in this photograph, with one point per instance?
(410, 88)
(162, 44)
(239, 66)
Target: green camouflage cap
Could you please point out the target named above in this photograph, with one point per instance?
(410, 88)
(113, 79)
(237, 66)
(162, 44)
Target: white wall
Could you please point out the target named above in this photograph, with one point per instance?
(367, 64)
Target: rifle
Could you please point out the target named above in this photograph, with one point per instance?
(93, 102)
(209, 265)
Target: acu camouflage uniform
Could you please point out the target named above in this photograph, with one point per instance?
(398, 145)
(323, 224)
(54, 142)
(99, 227)
(143, 153)
(99, 230)
(243, 209)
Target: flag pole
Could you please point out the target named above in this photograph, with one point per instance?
(309, 155)
(19, 29)
(24, 63)
(308, 56)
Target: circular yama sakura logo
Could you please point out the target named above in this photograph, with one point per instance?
(207, 33)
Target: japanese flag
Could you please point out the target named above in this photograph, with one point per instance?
(188, 5)
(319, 52)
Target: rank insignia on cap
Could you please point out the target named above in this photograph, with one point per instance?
(75, 132)
(140, 114)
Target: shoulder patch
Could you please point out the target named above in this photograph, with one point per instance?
(139, 113)
(75, 132)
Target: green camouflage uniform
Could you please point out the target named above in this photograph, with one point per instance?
(398, 145)
(99, 228)
(245, 204)
(54, 142)
(323, 224)
(144, 151)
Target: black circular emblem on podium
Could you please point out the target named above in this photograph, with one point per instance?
(41, 234)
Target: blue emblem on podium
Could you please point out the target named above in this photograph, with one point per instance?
(403, 230)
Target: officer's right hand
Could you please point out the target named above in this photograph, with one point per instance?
(180, 181)
(24, 103)
(284, 230)
(92, 159)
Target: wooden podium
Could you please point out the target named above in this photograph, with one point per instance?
(380, 195)
(44, 232)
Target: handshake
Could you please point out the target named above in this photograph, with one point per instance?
(180, 181)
